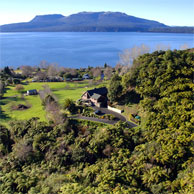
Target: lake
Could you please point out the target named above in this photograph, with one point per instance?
(79, 49)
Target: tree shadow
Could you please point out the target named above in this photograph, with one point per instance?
(24, 83)
(6, 89)
(4, 116)
(6, 100)
(130, 97)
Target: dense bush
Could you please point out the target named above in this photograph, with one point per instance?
(86, 157)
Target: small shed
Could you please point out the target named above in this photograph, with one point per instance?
(32, 92)
(86, 76)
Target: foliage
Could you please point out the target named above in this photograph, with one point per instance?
(165, 82)
(2, 89)
(69, 105)
(85, 157)
(114, 88)
(5, 141)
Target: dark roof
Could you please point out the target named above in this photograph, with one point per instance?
(96, 96)
(86, 76)
(102, 91)
(32, 90)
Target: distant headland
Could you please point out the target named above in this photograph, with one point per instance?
(92, 22)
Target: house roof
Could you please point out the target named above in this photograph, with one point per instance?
(96, 96)
(102, 91)
(32, 90)
(86, 76)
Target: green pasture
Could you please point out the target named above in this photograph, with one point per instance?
(61, 90)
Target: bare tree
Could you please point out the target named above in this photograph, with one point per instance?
(118, 67)
(53, 111)
(124, 69)
(108, 72)
(128, 55)
(73, 72)
(162, 47)
(43, 64)
(96, 72)
(41, 75)
(27, 70)
(19, 88)
(45, 92)
(53, 70)
(184, 46)
(22, 150)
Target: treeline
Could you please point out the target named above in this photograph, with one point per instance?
(178, 29)
(81, 157)
(53, 72)
(8, 77)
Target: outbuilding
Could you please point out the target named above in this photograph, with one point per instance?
(32, 92)
(86, 76)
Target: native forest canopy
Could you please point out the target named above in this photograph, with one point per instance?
(84, 157)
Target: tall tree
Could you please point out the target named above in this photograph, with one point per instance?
(114, 88)
(2, 88)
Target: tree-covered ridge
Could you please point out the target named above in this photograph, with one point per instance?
(92, 22)
(81, 157)
(165, 82)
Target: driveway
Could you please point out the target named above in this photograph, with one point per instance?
(117, 115)
(107, 111)
(106, 121)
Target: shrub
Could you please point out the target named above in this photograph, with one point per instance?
(69, 105)
(19, 88)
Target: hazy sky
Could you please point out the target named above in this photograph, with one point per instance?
(170, 12)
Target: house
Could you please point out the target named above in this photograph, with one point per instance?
(76, 79)
(32, 92)
(98, 96)
(98, 100)
(68, 79)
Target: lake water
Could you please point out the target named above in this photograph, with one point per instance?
(79, 49)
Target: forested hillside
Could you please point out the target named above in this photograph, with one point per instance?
(92, 22)
(82, 157)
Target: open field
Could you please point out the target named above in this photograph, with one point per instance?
(61, 90)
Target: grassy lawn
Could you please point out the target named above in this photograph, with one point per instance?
(128, 110)
(61, 90)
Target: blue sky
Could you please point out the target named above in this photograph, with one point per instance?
(170, 12)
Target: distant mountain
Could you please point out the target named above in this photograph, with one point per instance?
(90, 22)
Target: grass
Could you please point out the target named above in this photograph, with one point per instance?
(61, 90)
(133, 109)
(128, 110)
